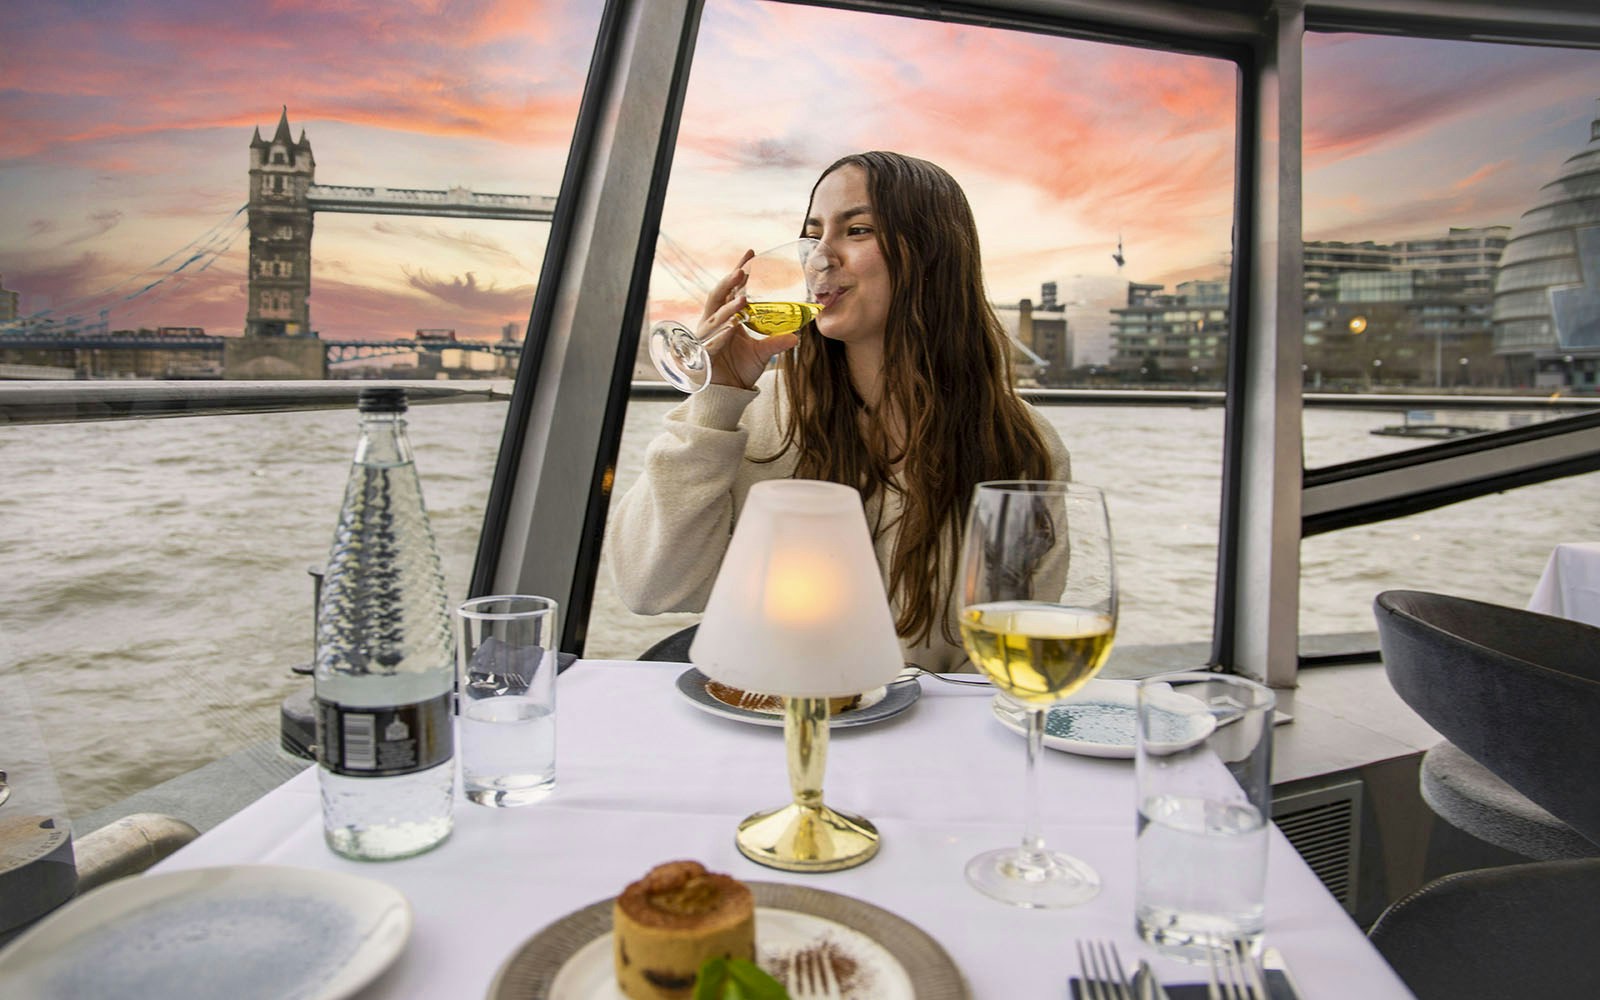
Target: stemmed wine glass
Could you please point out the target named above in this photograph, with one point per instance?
(779, 300)
(1039, 611)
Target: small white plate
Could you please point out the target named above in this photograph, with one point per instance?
(232, 933)
(1099, 720)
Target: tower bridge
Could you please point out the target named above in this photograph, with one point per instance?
(284, 200)
(279, 340)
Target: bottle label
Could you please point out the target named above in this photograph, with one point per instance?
(382, 741)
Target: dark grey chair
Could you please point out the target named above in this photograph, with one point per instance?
(1516, 695)
(1498, 933)
(674, 648)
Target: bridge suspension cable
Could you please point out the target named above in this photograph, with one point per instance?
(203, 250)
(179, 276)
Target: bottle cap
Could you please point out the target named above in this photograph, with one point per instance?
(382, 399)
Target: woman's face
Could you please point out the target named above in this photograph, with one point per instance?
(854, 290)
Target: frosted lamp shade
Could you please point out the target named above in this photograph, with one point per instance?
(798, 608)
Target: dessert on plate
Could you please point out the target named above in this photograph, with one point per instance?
(669, 922)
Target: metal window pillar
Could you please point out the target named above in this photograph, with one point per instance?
(540, 534)
(1259, 599)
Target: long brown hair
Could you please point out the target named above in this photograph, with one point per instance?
(946, 373)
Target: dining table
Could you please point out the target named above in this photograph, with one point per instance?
(1569, 587)
(646, 775)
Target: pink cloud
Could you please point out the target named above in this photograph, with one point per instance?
(1121, 131)
(421, 69)
(1483, 175)
(1364, 93)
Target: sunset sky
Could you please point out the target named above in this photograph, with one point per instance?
(128, 128)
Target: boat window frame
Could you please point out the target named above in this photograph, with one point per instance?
(1256, 621)
(506, 563)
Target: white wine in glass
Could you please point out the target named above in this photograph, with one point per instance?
(1037, 653)
(1039, 614)
(778, 300)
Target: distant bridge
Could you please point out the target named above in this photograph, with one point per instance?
(457, 203)
(106, 342)
(336, 350)
(351, 350)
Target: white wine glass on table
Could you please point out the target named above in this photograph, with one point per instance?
(1039, 612)
(779, 299)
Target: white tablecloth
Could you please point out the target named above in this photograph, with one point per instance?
(644, 777)
(1570, 585)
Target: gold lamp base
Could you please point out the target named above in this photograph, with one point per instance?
(800, 838)
(805, 835)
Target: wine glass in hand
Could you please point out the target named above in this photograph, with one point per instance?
(770, 296)
(1039, 610)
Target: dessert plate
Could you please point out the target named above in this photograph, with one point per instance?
(875, 706)
(878, 955)
(232, 933)
(1099, 720)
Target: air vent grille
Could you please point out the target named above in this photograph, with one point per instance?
(1324, 826)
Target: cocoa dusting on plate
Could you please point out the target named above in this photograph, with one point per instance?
(772, 704)
(855, 981)
(747, 700)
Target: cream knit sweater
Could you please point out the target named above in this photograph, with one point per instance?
(666, 536)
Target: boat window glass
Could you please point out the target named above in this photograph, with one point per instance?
(1431, 172)
(1441, 215)
(1101, 177)
(163, 563)
(1452, 549)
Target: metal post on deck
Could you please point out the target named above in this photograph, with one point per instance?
(1259, 572)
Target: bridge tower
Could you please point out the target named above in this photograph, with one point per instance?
(281, 174)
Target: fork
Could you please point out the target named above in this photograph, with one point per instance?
(1232, 973)
(912, 672)
(811, 978)
(1103, 975)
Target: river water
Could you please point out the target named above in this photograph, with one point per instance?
(155, 591)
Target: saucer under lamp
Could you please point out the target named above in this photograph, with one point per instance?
(799, 610)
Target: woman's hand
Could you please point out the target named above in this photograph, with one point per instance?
(736, 358)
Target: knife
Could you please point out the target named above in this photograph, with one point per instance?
(1272, 961)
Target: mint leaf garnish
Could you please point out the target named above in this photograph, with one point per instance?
(736, 979)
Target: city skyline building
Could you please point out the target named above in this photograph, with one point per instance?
(1042, 334)
(1177, 336)
(1465, 257)
(1546, 314)
(1413, 311)
(1326, 260)
(1409, 326)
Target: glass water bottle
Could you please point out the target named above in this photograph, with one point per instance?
(385, 655)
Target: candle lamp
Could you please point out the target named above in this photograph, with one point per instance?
(799, 610)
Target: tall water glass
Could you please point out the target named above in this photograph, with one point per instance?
(1204, 778)
(1039, 612)
(506, 656)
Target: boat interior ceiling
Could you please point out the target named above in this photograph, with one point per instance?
(1191, 24)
